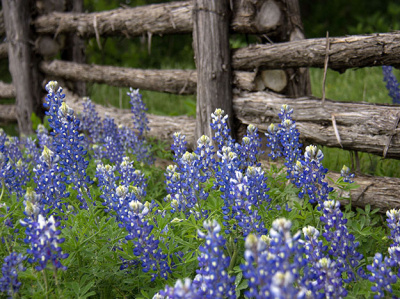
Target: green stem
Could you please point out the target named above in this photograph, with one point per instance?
(3, 186)
(45, 284)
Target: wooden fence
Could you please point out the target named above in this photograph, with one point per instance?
(236, 80)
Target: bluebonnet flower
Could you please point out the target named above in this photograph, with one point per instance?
(321, 277)
(284, 139)
(135, 145)
(112, 145)
(272, 264)
(342, 244)
(382, 275)
(11, 266)
(31, 150)
(21, 177)
(212, 279)
(178, 146)
(146, 248)
(205, 151)
(393, 222)
(392, 84)
(346, 175)
(90, 121)
(43, 237)
(246, 203)
(50, 184)
(250, 149)
(309, 175)
(219, 125)
(33, 205)
(138, 108)
(43, 137)
(67, 141)
(185, 185)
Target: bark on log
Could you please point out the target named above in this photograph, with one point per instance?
(2, 27)
(7, 90)
(212, 56)
(22, 62)
(165, 18)
(75, 48)
(345, 52)
(172, 81)
(292, 30)
(361, 127)
(8, 113)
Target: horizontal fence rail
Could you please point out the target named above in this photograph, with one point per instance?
(171, 81)
(165, 18)
(345, 52)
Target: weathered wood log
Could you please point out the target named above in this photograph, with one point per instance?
(345, 52)
(22, 62)
(165, 18)
(7, 90)
(2, 27)
(172, 81)
(8, 113)
(361, 127)
(275, 80)
(212, 56)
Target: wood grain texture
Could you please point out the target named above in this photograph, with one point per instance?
(345, 52)
(172, 81)
(212, 56)
(165, 18)
(22, 62)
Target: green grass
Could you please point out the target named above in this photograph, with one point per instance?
(157, 102)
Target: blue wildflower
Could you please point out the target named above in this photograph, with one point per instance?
(138, 108)
(392, 84)
(43, 237)
(346, 175)
(11, 266)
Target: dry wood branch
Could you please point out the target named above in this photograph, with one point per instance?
(7, 90)
(172, 81)
(8, 113)
(165, 18)
(362, 127)
(345, 52)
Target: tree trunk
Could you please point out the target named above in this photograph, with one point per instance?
(212, 56)
(22, 62)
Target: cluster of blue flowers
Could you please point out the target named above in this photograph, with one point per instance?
(392, 84)
(212, 279)
(315, 262)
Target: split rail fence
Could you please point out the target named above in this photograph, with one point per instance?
(250, 83)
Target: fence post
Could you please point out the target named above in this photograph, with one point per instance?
(22, 62)
(299, 79)
(213, 61)
(75, 47)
